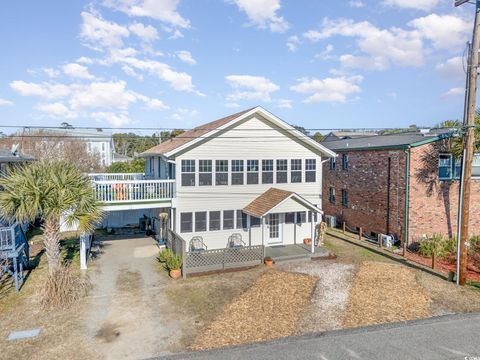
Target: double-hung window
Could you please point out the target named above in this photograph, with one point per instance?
(344, 197)
(201, 221)
(333, 163)
(186, 220)
(188, 172)
(282, 171)
(252, 171)
(345, 162)
(241, 220)
(221, 172)
(331, 195)
(255, 221)
(228, 219)
(296, 170)
(310, 170)
(237, 172)
(301, 217)
(267, 171)
(445, 166)
(205, 172)
(214, 221)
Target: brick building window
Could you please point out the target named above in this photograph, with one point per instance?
(344, 197)
(345, 162)
(331, 195)
(333, 163)
(445, 162)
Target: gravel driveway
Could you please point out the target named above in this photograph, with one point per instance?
(125, 319)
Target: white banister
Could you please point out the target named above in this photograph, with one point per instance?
(120, 191)
(116, 176)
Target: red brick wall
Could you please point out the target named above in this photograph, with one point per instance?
(434, 203)
(366, 181)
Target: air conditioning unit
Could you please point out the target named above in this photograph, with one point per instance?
(386, 240)
(331, 221)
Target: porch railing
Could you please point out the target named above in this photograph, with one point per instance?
(116, 176)
(120, 191)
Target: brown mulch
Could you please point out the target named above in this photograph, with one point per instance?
(270, 309)
(384, 293)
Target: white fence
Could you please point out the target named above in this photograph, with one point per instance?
(116, 176)
(133, 190)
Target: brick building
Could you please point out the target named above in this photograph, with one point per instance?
(402, 184)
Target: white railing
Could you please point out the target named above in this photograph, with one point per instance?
(7, 238)
(116, 176)
(112, 191)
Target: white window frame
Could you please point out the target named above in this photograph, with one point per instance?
(449, 167)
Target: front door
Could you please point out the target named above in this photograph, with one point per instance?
(274, 228)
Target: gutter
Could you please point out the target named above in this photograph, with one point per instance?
(407, 195)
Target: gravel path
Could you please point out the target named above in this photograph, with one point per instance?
(330, 297)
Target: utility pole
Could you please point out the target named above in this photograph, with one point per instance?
(468, 150)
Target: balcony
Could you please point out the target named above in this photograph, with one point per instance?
(115, 192)
(118, 176)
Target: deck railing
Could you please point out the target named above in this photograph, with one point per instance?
(116, 176)
(125, 191)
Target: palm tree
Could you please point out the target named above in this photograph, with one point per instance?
(49, 191)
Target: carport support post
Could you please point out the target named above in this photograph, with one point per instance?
(83, 252)
(312, 222)
(263, 235)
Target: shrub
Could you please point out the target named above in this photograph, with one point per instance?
(435, 244)
(174, 262)
(474, 242)
(164, 255)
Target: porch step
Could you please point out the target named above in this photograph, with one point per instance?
(290, 257)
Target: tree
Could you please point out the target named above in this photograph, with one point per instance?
(318, 137)
(49, 191)
(133, 166)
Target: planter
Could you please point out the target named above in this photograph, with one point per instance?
(268, 261)
(175, 273)
(307, 241)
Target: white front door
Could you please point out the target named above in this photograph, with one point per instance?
(274, 228)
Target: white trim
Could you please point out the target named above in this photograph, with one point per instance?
(269, 116)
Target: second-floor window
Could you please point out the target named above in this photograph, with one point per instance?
(282, 171)
(267, 171)
(188, 172)
(345, 162)
(310, 170)
(296, 171)
(221, 172)
(333, 163)
(331, 195)
(252, 171)
(344, 197)
(237, 172)
(205, 175)
(445, 162)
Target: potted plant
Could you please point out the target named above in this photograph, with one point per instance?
(174, 264)
(268, 261)
(307, 241)
(164, 255)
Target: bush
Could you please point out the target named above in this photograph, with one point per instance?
(435, 244)
(474, 242)
(174, 262)
(164, 255)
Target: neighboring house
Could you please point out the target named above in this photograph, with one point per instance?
(402, 184)
(343, 135)
(240, 174)
(121, 158)
(11, 157)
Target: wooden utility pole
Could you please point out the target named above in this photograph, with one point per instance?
(469, 138)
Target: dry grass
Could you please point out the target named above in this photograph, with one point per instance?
(270, 309)
(384, 293)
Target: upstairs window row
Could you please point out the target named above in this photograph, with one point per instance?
(248, 172)
(333, 162)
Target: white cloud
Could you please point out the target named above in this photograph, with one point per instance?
(232, 105)
(183, 114)
(425, 5)
(250, 87)
(325, 54)
(356, 4)
(77, 71)
(50, 72)
(457, 91)
(156, 104)
(5, 102)
(163, 10)
(131, 72)
(85, 60)
(56, 109)
(186, 57)
(99, 33)
(293, 42)
(146, 33)
(103, 95)
(328, 89)
(114, 119)
(263, 14)
(45, 90)
(445, 31)
(284, 103)
(452, 68)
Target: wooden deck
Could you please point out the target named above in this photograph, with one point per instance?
(294, 252)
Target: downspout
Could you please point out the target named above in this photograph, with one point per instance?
(407, 195)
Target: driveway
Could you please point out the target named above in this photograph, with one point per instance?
(125, 319)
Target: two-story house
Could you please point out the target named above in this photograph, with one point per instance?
(249, 173)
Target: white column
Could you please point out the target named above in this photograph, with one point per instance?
(262, 219)
(83, 252)
(312, 222)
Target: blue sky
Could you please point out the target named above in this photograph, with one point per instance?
(169, 63)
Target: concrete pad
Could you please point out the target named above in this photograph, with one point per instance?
(24, 334)
(147, 251)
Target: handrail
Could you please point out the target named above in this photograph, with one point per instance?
(119, 191)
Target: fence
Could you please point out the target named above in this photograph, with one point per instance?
(116, 176)
(211, 260)
(113, 191)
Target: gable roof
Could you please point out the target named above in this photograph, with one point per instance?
(385, 141)
(271, 198)
(342, 135)
(191, 137)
